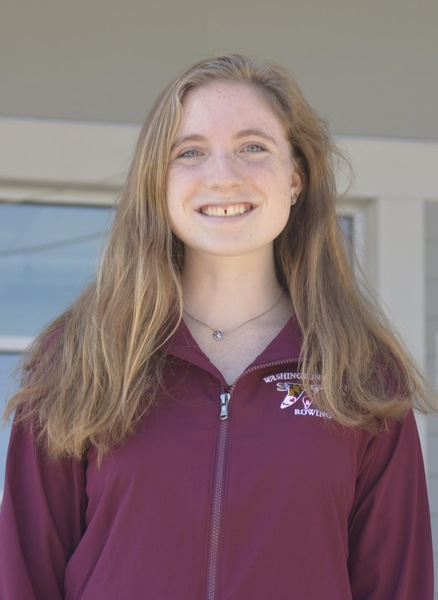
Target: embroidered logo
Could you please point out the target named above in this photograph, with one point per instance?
(296, 395)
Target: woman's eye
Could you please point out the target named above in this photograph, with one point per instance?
(254, 148)
(189, 154)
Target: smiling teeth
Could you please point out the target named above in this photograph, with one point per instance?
(225, 211)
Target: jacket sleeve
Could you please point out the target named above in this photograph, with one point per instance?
(41, 520)
(390, 542)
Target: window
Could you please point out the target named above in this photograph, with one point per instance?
(48, 253)
(8, 362)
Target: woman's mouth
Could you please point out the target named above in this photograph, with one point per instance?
(232, 210)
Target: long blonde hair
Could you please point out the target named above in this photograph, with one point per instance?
(95, 371)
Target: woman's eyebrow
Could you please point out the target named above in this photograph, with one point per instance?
(191, 137)
(196, 137)
(256, 132)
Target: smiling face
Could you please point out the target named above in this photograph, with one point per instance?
(231, 175)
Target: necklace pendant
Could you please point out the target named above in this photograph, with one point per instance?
(218, 334)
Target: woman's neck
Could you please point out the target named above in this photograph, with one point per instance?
(223, 292)
(234, 307)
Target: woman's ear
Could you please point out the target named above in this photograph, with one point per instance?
(297, 183)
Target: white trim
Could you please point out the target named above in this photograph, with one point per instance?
(57, 194)
(399, 232)
(60, 152)
(400, 270)
(13, 344)
(357, 210)
(391, 167)
(436, 361)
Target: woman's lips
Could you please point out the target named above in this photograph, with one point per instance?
(231, 210)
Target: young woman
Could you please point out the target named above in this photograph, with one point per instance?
(222, 414)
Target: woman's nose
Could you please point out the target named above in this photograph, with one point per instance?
(222, 171)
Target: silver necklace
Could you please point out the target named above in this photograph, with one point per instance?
(219, 334)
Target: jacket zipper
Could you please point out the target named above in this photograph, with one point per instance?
(217, 494)
(219, 478)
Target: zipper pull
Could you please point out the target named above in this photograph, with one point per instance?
(225, 398)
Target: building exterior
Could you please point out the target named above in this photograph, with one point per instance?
(78, 75)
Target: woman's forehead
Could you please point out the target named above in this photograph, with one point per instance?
(225, 103)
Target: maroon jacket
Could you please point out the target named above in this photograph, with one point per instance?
(241, 493)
